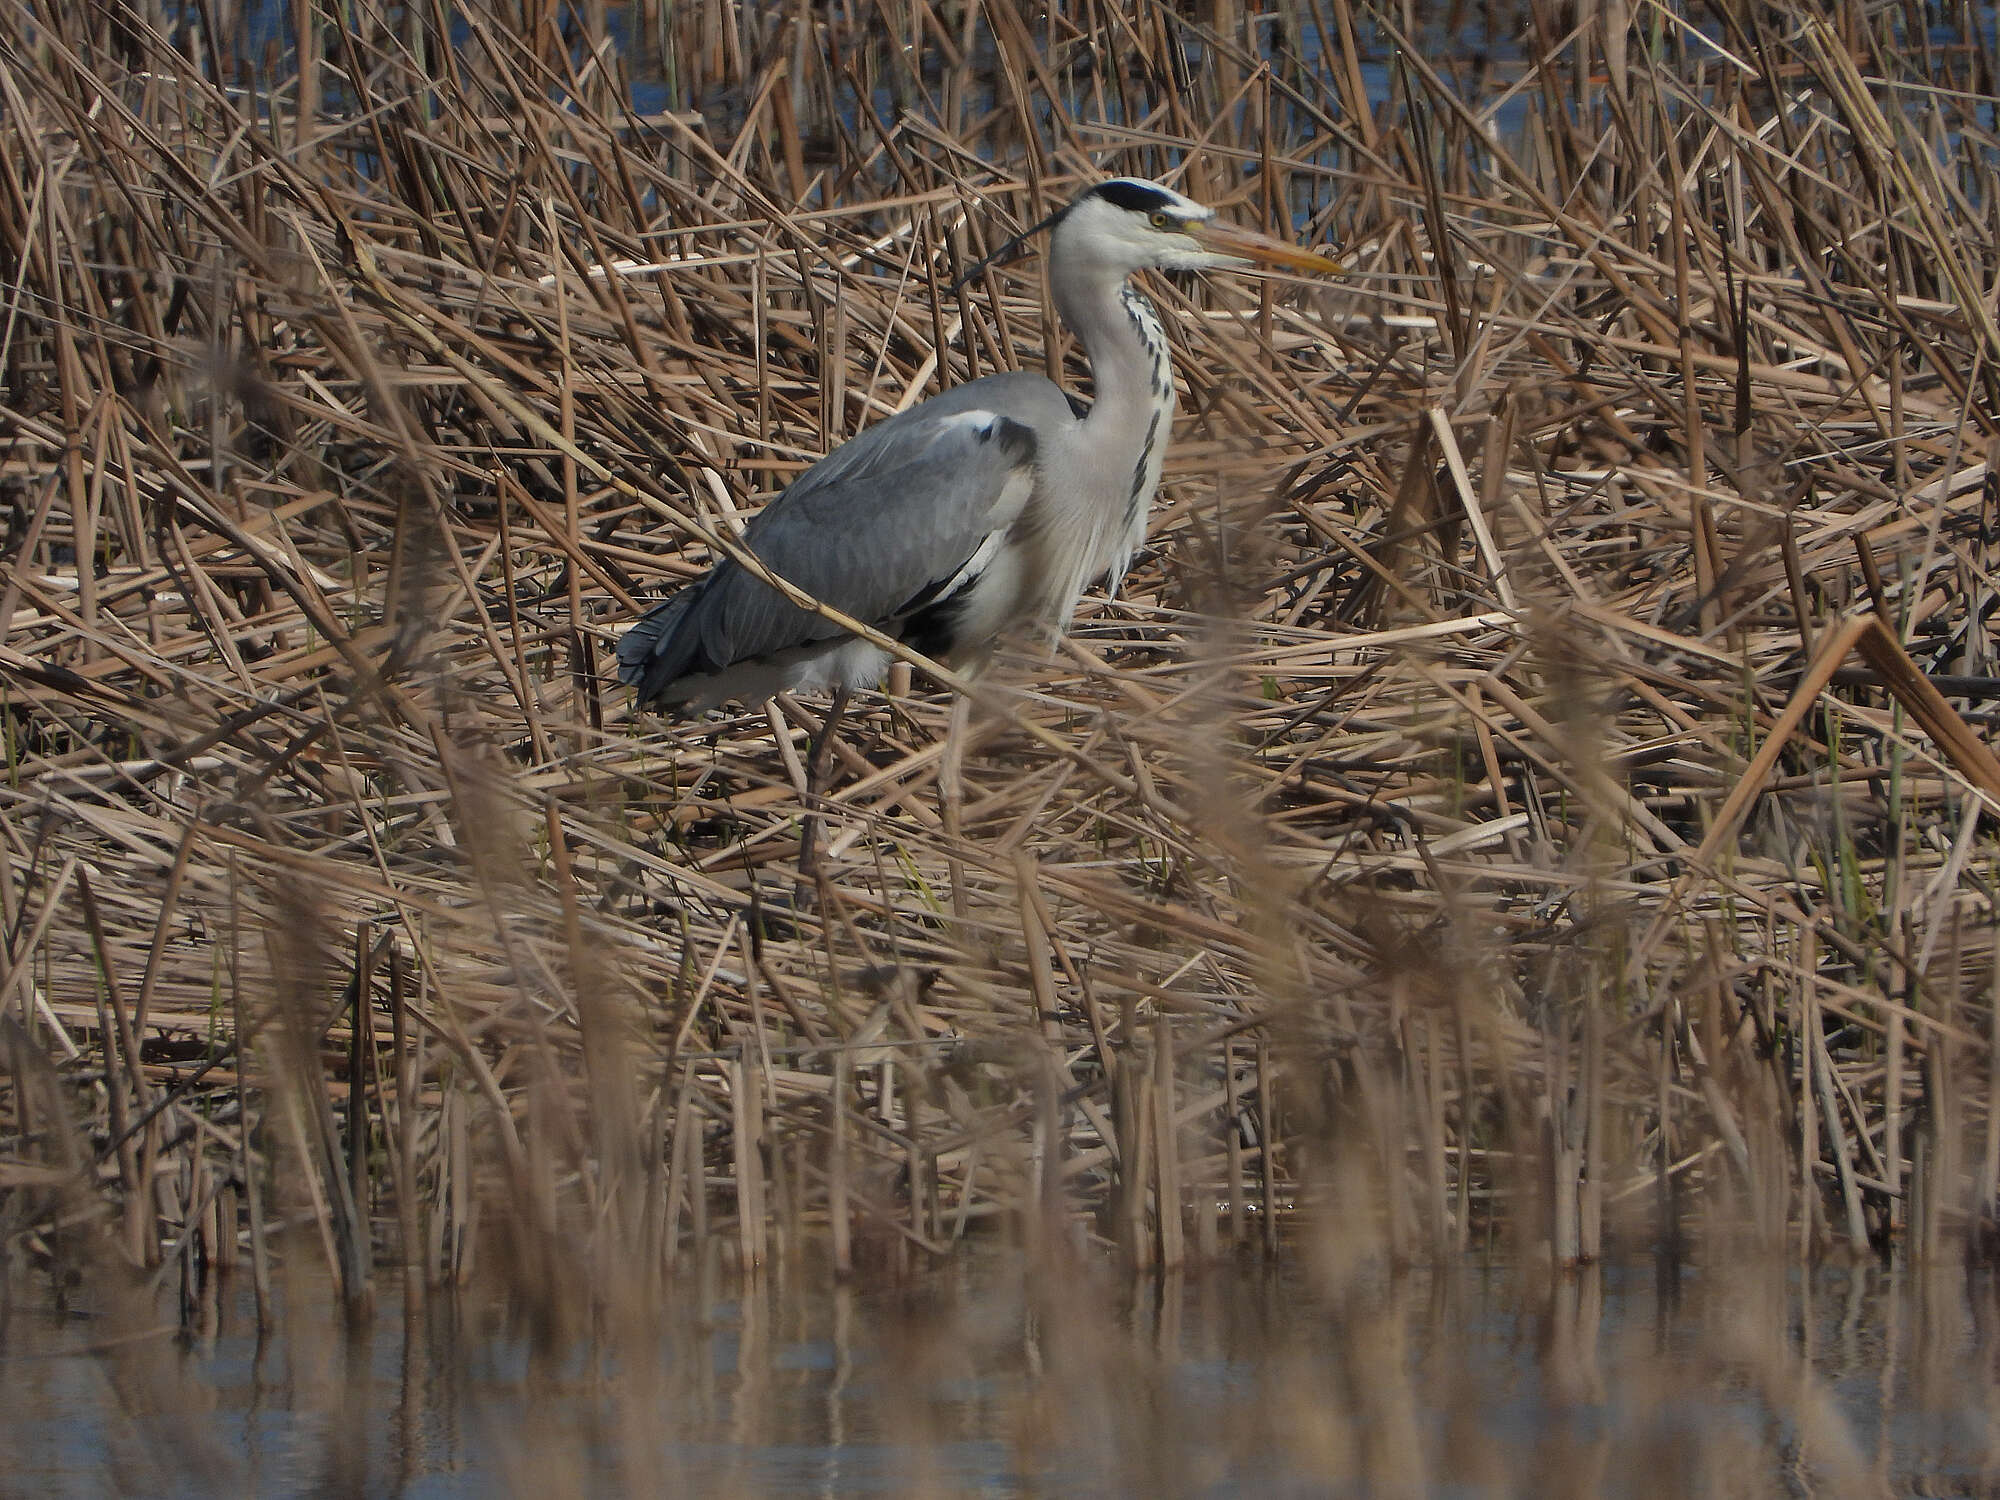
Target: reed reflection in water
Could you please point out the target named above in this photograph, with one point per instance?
(990, 1377)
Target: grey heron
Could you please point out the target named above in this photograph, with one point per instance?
(991, 505)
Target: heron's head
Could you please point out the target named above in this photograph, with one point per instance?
(1126, 225)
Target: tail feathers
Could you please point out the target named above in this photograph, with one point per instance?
(651, 655)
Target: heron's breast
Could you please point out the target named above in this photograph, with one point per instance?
(995, 599)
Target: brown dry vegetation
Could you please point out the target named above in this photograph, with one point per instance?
(1532, 793)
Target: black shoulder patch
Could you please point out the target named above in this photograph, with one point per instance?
(933, 628)
(1133, 196)
(1016, 439)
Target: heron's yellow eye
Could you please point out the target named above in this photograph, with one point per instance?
(1161, 219)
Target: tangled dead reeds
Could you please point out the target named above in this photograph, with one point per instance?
(1538, 771)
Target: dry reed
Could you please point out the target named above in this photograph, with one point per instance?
(1533, 790)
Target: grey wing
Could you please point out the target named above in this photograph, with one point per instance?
(887, 523)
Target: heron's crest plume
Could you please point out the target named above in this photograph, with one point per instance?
(1008, 251)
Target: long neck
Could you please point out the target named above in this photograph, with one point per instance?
(1125, 435)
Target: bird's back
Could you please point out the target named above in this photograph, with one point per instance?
(885, 526)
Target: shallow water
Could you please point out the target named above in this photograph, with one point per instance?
(986, 1379)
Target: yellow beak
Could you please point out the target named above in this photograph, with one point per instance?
(1247, 244)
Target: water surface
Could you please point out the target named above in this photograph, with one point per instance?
(988, 1377)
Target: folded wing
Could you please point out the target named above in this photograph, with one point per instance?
(903, 516)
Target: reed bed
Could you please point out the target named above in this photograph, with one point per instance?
(1532, 794)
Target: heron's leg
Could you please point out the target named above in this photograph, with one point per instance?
(951, 795)
(817, 765)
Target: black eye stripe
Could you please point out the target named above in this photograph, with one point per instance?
(1136, 197)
